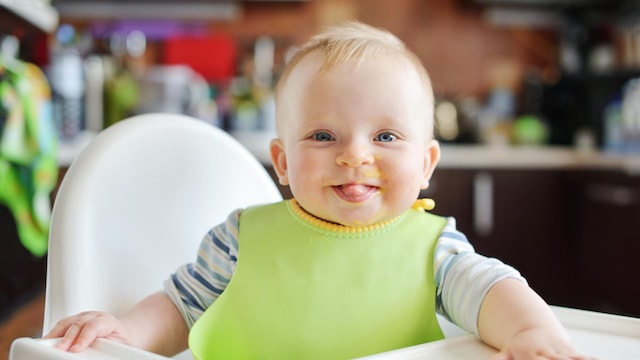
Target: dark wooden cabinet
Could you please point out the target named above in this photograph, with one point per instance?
(522, 217)
(22, 275)
(609, 253)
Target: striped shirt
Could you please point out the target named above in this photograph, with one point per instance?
(462, 276)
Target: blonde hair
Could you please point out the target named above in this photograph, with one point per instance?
(354, 41)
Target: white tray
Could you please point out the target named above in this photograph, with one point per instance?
(101, 349)
(608, 337)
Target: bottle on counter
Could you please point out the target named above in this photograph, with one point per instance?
(122, 79)
(621, 119)
(66, 78)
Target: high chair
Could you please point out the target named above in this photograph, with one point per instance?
(137, 201)
(133, 206)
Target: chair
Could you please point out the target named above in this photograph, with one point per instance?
(135, 204)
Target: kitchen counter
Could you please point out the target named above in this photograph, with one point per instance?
(453, 156)
(535, 157)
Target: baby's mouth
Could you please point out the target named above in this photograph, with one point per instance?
(355, 192)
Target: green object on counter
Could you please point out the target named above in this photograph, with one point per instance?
(28, 152)
(121, 95)
(529, 130)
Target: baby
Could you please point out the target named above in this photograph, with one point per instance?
(353, 265)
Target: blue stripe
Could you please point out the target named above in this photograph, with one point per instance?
(197, 276)
(185, 294)
(219, 244)
(207, 284)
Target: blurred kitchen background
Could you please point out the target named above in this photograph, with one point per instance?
(538, 111)
(514, 71)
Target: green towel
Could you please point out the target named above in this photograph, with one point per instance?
(28, 151)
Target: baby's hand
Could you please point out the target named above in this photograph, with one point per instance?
(79, 331)
(540, 344)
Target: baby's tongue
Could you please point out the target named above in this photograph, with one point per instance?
(355, 191)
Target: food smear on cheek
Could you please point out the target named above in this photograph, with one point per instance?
(373, 174)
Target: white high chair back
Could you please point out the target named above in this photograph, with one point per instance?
(135, 204)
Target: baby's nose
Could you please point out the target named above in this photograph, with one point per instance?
(355, 155)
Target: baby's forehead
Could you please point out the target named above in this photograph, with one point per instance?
(306, 76)
(317, 63)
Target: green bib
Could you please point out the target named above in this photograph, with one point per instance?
(307, 289)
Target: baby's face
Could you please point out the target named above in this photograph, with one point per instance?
(355, 143)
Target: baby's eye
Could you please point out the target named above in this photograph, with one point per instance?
(385, 137)
(322, 136)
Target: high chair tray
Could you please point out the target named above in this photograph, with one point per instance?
(605, 336)
(101, 349)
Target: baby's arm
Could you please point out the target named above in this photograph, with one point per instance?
(155, 324)
(491, 299)
(514, 319)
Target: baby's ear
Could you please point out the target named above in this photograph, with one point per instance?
(279, 160)
(431, 158)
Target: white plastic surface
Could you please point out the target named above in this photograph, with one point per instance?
(32, 349)
(607, 337)
(135, 204)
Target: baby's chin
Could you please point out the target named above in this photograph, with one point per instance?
(361, 219)
(353, 214)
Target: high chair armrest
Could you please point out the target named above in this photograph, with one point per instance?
(102, 349)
